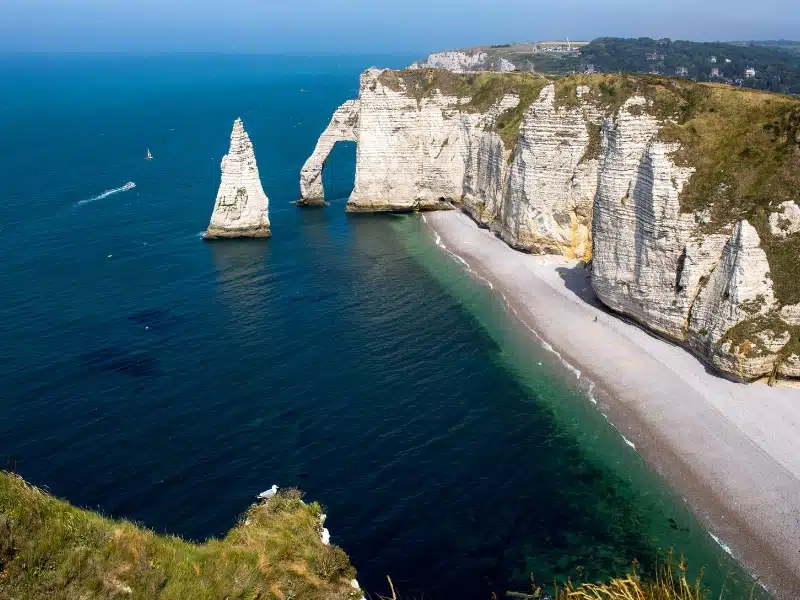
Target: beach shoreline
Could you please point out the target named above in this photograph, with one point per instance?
(730, 450)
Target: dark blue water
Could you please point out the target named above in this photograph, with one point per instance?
(158, 378)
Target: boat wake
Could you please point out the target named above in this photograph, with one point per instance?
(128, 186)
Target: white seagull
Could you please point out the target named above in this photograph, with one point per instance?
(269, 493)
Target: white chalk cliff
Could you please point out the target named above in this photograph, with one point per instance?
(242, 207)
(578, 181)
(465, 61)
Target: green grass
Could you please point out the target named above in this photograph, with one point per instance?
(595, 145)
(52, 550)
(669, 98)
(745, 341)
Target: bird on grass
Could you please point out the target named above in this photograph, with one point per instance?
(269, 493)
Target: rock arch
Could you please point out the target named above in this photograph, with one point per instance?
(342, 128)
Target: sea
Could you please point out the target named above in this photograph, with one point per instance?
(159, 378)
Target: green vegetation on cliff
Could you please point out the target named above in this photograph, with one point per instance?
(52, 550)
(668, 98)
(745, 149)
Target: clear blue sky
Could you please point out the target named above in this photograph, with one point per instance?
(348, 26)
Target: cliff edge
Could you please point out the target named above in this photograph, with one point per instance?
(242, 207)
(50, 549)
(684, 197)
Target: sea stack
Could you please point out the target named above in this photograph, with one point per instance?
(242, 207)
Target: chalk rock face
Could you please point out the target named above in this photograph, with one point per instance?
(738, 289)
(505, 65)
(786, 221)
(551, 181)
(583, 179)
(343, 127)
(428, 153)
(641, 240)
(411, 154)
(457, 61)
(465, 61)
(242, 207)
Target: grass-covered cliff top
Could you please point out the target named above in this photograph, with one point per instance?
(52, 550)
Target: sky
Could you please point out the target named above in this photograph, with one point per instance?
(363, 26)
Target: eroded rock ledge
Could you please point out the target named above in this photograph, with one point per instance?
(242, 207)
(682, 197)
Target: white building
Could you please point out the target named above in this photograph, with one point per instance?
(749, 72)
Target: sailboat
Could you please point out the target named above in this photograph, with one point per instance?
(149, 156)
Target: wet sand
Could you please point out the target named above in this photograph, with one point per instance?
(731, 450)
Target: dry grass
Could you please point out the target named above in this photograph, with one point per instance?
(670, 582)
(52, 550)
(667, 585)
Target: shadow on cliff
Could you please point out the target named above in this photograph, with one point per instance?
(578, 280)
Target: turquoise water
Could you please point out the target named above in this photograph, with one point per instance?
(168, 381)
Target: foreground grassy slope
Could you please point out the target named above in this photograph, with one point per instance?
(50, 549)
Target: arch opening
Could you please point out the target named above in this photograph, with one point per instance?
(342, 128)
(339, 172)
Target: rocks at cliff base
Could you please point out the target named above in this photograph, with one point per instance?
(242, 208)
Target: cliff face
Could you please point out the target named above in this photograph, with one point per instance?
(465, 61)
(684, 197)
(242, 207)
